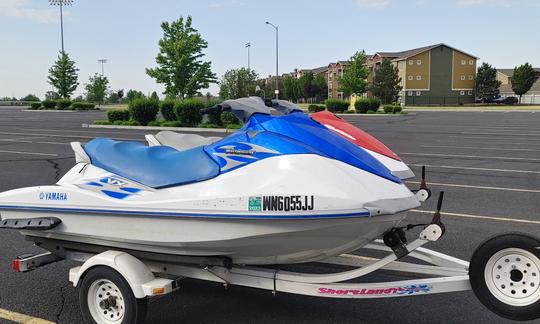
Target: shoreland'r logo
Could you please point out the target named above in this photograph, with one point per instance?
(281, 203)
(61, 196)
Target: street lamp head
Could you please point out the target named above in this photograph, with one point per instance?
(60, 2)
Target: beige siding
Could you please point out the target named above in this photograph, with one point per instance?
(463, 69)
(418, 71)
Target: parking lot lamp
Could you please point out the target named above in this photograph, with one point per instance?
(277, 57)
(61, 3)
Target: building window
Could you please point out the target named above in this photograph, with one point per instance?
(411, 62)
(401, 64)
(463, 62)
(462, 93)
(469, 92)
(462, 78)
(471, 62)
(409, 93)
(471, 77)
(410, 78)
(419, 62)
(418, 93)
(418, 77)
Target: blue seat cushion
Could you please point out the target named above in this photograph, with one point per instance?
(156, 166)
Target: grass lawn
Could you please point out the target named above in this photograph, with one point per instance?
(114, 106)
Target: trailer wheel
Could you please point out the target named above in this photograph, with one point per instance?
(105, 297)
(505, 276)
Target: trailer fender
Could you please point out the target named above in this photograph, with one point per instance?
(139, 277)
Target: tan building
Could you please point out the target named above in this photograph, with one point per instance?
(531, 97)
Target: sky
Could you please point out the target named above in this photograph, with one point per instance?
(311, 34)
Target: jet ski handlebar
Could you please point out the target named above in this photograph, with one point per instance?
(216, 108)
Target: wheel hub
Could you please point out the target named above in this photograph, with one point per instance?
(513, 276)
(106, 302)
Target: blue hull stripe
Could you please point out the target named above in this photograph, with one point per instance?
(193, 215)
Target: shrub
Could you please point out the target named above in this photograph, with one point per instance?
(117, 115)
(396, 110)
(143, 110)
(130, 123)
(315, 108)
(228, 118)
(154, 123)
(510, 101)
(166, 107)
(371, 112)
(62, 104)
(388, 109)
(336, 105)
(101, 122)
(362, 105)
(174, 123)
(234, 126)
(349, 111)
(374, 104)
(83, 106)
(35, 105)
(208, 125)
(188, 111)
(49, 104)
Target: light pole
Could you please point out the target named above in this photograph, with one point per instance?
(102, 61)
(277, 57)
(61, 3)
(248, 46)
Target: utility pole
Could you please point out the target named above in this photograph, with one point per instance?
(277, 58)
(248, 46)
(102, 61)
(61, 3)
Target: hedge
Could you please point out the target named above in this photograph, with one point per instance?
(166, 107)
(188, 111)
(49, 104)
(118, 115)
(35, 105)
(510, 101)
(228, 118)
(336, 105)
(315, 108)
(143, 110)
(83, 106)
(363, 105)
(62, 104)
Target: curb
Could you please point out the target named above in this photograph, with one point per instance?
(49, 110)
(180, 129)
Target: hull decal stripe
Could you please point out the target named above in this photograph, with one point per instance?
(169, 214)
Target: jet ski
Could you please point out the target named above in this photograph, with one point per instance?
(350, 132)
(284, 189)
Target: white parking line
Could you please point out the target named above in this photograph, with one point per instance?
(493, 138)
(68, 136)
(473, 168)
(494, 218)
(476, 187)
(481, 148)
(28, 153)
(514, 134)
(492, 143)
(21, 318)
(471, 156)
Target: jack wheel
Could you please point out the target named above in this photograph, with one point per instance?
(105, 297)
(505, 276)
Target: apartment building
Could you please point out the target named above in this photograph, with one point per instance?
(436, 74)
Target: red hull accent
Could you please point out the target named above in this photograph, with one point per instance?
(353, 133)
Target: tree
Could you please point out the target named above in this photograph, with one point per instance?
(96, 88)
(306, 86)
(386, 82)
(63, 75)
(354, 79)
(52, 95)
(134, 94)
(320, 88)
(522, 79)
(154, 96)
(30, 97)
(290, 88)
(487, 85)
(238, 83)
(180, 67)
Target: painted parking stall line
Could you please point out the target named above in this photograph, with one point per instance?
(491, 218)
(21, 318)
(476, 187)
(482, 148)
(28, 153)
(474, 168)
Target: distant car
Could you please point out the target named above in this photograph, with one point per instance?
(496, 100)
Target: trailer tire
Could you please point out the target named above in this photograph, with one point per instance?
(505, 276)
(106, 297)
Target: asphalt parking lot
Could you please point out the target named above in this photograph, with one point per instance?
(488, 164)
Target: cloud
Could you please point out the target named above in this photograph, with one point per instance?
(23, 9)
(373, 4)
(497, 3)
